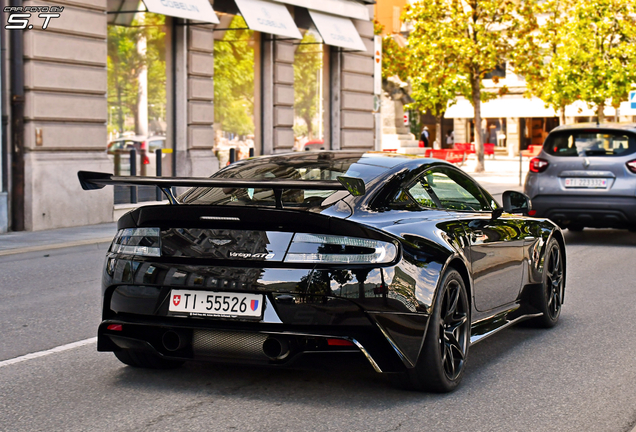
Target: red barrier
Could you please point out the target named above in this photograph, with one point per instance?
(469, 148)
(449, 155)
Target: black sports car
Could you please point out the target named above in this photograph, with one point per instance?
(405, 259)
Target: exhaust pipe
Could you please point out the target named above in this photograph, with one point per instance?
(275, 349)
(173, 340)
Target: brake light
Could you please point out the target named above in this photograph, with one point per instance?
(335, 249)
(137, 241)
(339, 342)
(115, 327)
(538, 165)
(631, 165)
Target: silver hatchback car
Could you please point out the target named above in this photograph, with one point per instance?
(585, 176)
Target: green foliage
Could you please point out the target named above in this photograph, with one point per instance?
(452, 46)
(395, 59)
(124, 63)
(583, 51)
(307, 65)
(234, 79)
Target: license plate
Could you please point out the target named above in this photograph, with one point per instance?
(586, 183)
(216, 304)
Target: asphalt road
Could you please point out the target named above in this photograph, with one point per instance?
(579, 376)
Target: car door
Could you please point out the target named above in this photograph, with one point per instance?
(496, 245)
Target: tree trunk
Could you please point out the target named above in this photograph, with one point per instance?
(438, 132)
(479, 136)
(562, 116)
(600, 113)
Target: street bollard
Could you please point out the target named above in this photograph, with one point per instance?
(117, 164)
(232, 155)
(133, 172)
(251, 152)
(158, 158)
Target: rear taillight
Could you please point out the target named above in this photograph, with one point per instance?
(631, 165)
(333, 249)
(138, 241)
(538, 165)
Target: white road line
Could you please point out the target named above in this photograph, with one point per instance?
(47, 352)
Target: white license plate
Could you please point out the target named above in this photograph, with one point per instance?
(586, 183)
(216, 304)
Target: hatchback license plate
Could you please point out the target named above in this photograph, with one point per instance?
(600, 183)
(219, 304)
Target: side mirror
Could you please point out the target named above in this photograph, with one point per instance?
(516, 202)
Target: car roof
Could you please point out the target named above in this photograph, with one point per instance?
(599, 126)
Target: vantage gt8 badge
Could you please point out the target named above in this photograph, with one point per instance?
(245, 255)
(18, 16)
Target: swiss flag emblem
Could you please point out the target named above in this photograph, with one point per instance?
(176, 299)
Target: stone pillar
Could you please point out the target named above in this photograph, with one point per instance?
(65, 118)
(283, 96)
(459, 130)
(356, 94)
(201, 161)
(513, 136)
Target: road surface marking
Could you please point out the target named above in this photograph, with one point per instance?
(44, 353)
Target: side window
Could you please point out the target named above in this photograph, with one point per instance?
(454, 191)
(421, 196)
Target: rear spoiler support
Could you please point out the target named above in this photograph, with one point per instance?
(90, 180)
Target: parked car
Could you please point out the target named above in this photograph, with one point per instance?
(314, 145)
(405, 260)
(585, 176)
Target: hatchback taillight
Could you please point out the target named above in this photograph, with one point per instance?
(631, 165)
(538, 165)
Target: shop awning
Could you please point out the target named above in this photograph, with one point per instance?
(343, 8)
(268, 17)
(198, 10)
(337, 31)
(122, 12)
(505, 107)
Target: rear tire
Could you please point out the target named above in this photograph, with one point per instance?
(442, 361)
(550, 298)
(142, 359)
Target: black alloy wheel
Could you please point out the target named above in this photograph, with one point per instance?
(442, 361)
(552, 293)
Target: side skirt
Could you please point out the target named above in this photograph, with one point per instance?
(491, 325)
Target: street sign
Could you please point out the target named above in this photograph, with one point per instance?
(632, 99)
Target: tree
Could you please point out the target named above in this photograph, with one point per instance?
(473, 33)
(234, 79)
(434, 81)
(307, 66)
(542, 54)
(603, 46)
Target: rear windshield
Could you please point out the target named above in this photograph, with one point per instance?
(590, 143)
(289, 168)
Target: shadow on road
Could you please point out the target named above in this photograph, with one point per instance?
(319, 380)
(601, 237)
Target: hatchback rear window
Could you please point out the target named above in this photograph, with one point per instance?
(590, 143)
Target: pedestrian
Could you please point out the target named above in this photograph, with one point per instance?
(450, 139)
(424, 137)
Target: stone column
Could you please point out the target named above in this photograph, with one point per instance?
(283, 96)
(65, 118)
(513, 136)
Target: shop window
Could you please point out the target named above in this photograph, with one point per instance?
(235, 60)
(136, 97)
(309, 93)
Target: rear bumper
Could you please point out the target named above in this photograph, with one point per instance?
(241, 342)
(586, 210)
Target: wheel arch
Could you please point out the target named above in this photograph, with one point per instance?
(557, 234)
(460, 266)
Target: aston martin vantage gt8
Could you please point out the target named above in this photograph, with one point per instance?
(406, 260)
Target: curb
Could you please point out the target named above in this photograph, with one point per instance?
(55, 246)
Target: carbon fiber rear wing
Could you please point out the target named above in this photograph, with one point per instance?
(96, 180)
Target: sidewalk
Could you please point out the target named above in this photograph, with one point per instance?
(33, 241)
(501, 174)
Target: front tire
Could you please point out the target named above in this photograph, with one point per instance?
(146, 360)
(442, 360)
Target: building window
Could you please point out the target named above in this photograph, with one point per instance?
(136, 68)
(235, 100)
(499, 72)
(309, 93)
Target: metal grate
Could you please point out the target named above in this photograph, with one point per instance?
(229, 344)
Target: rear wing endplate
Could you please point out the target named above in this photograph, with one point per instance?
(96, 180)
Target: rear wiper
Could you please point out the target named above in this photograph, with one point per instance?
(596, 153)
